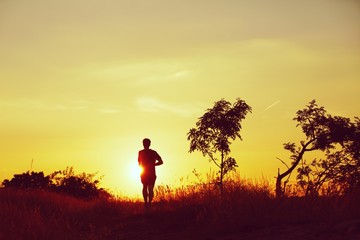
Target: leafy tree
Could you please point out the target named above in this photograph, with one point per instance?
(339, 170)
(215, 129)
(323, 133)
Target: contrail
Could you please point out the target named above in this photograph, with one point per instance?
(272, 105)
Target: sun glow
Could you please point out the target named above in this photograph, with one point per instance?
(134, 171)
(127, 183)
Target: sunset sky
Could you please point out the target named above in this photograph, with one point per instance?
(82, 82)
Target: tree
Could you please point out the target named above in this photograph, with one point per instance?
(215, 129)
(323, 133)
(339, 170)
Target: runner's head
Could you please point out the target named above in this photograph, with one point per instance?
(146, 143)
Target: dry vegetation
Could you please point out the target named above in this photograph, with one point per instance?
(245, 211)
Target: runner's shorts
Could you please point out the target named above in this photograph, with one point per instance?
(148, 179)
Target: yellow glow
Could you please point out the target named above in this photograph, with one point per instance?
(133, 184)
(134, 172)
(82, 86)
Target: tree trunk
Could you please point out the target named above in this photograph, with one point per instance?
(221, 172)
(279, 191)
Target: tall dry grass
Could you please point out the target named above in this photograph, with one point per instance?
(247, 205)
(198, 209)
(46, 215)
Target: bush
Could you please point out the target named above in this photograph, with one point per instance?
(28, 180)
(84, 186)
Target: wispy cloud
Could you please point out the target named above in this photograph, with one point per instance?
(148, 104)
(27, 103)
(165, 77)
(272, 105)
(109, 110)
(143, 72)
(41, 104)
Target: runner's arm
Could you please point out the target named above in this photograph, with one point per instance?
(158, 161)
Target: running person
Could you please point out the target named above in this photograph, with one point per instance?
(148, 159)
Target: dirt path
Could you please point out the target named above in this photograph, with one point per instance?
(348, 230)
(161, 226)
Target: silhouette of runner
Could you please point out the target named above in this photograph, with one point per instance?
(148, 159)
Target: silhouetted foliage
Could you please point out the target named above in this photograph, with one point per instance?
(339, 170)
(28, 180)
(215, 129)
(83, 185)
(338, 138)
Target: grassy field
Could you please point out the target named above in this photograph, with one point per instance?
(245, 211)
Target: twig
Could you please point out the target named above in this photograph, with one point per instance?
(282, 162)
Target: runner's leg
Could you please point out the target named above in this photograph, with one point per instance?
(151, 192)
(145, 193)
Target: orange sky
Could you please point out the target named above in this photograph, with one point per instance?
(82, 82)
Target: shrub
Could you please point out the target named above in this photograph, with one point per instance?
(84, 186)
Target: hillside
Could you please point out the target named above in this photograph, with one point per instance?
(242, 213)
